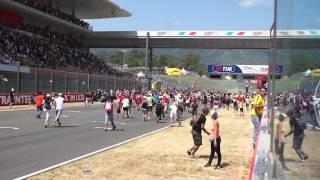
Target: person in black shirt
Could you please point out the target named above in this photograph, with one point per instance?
(47, 102)
(159, 110)
(144, 108)
(297, 128)
(197, 127)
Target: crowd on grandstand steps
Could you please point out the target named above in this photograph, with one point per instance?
(47, 8)
(35, 46)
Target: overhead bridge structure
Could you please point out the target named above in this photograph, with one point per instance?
(202, 39)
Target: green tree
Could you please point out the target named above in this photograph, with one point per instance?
(191, 60)
(300, 62)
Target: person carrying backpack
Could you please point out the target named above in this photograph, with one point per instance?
(109, 114)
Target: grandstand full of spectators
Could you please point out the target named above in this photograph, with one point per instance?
(44, 45)
(34, 46)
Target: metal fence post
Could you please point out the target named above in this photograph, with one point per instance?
(88, 81)
(98, 84)
(18, 78)
(36, 80)
(65, 82)
(107, 84)
(114, 83)
(51, 82)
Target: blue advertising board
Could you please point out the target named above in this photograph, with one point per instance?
(243, 69)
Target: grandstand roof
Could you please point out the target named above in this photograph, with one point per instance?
(91, 9)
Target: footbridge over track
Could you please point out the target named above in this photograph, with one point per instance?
(201, 39)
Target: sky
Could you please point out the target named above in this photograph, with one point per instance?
(190, 15)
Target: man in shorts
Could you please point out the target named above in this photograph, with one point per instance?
(197, 127)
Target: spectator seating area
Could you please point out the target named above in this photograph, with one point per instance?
(41, 6)
(34, 46)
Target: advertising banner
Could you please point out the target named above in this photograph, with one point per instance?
(244, 69)
(25, 98)
(228, 34)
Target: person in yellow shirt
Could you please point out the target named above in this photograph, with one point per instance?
(256, 113)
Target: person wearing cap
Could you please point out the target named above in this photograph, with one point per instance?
(47, 108)
(59, 108)
(215, 141)
(280, 140)
(197, 127)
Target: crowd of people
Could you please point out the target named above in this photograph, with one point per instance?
(152, 105)
(40, 47)
(47, 8)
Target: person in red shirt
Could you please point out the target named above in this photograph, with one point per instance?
(165, 102)
(138, 101)
(39, 104)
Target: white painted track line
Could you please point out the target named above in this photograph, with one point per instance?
(87, 155)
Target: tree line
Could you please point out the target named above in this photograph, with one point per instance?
(136, 58)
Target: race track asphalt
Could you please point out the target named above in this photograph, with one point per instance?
(33, 147)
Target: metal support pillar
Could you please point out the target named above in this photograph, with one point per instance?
(146, 62)
(150, 68)
(36, 80)
(272, 95)
(65, 82)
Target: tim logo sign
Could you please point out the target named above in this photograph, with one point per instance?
(223, 69)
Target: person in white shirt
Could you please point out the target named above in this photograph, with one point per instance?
(59, 108)
(173, 111)
(125, 106)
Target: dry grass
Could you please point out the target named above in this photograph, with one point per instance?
(163, 156)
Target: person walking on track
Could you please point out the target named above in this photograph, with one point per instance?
(39, 104)
(197, 127)
(47, 108)
(109, 114)
(59, 101)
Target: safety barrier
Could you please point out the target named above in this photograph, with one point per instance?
(47, 80)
